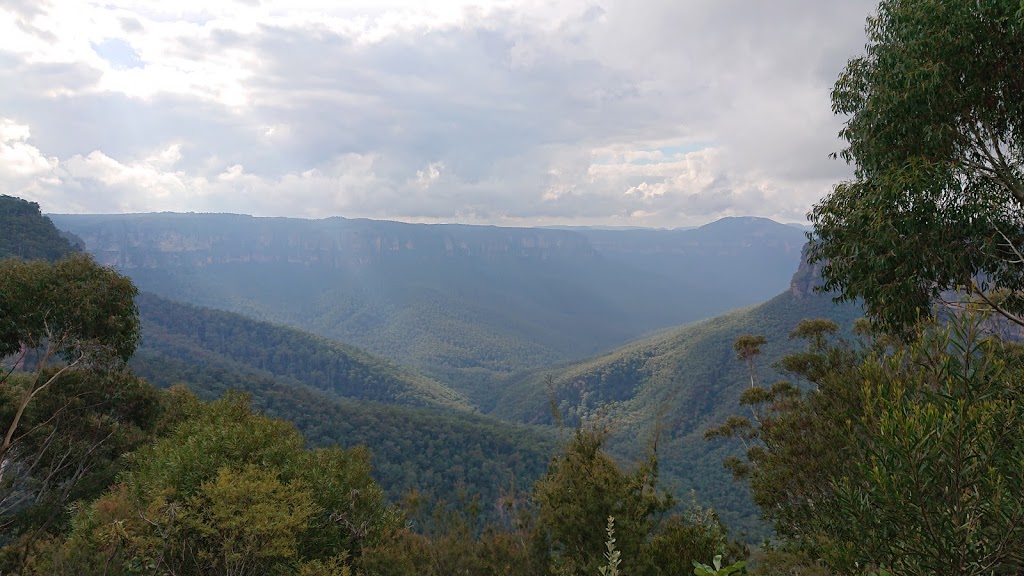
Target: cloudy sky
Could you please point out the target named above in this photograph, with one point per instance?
(518, 112)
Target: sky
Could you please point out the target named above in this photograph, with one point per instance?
(658, 113)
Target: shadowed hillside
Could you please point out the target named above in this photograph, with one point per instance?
(196, 335)
(440, 453)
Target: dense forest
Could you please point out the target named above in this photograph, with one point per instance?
(441, 455)
(193, 333)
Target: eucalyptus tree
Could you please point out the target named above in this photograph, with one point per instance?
(67, 409)
(934, 133)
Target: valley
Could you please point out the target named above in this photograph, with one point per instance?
(479, 323)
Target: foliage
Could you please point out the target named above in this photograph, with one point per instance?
(937, 485)
(676, 384)
(197, 334)
(28, 235)
(439, 454)
(462, 303)
(76, 431)
(785, 560)
(612, 556)
(584, 486)
(904, 456)
(195, 501)
(450, 541)
(934, 131)
(796, 437)
(67, 329)
(73, 310)
(719, 570)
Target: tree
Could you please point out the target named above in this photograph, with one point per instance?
(248, 520)
(581, 490)
(904, 456)
(934, 132)
(195, 502)
(74, 311)
(584, 486)
(937, 486)
(796, 438)
(67, 411)
(25, 233)
(748, 348)
(76, 432)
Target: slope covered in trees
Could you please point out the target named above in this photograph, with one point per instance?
(897, 453)
(104, 473)
(200, 336)
(674, 386)
(438, 453)
(26, 233)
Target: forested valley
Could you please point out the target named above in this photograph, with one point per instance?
(114, 467)
(221, 394)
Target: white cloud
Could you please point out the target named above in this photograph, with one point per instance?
(18, 158)
(430, 175)
(521, 111)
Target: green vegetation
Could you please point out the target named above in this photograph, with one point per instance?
(674, 385)
(196, 502)
(890, 447)
(934, 132)
(904, 456)
(584, 486)
(165, 483)
(70, 326)
(441, 455)
(547, 532)
(197, 335)
(901, 452)
(25, 233)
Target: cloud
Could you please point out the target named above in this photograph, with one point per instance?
(522, 112)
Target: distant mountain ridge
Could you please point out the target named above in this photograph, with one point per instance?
(479, 305)
(171, 239)
(461, 302)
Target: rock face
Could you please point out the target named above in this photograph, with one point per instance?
(807, 277)
(175, 240)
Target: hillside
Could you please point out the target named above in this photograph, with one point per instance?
(441, 454)
(466, 303)
(26, 233)
(461, 302)
(679, 383)
(199, 336)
